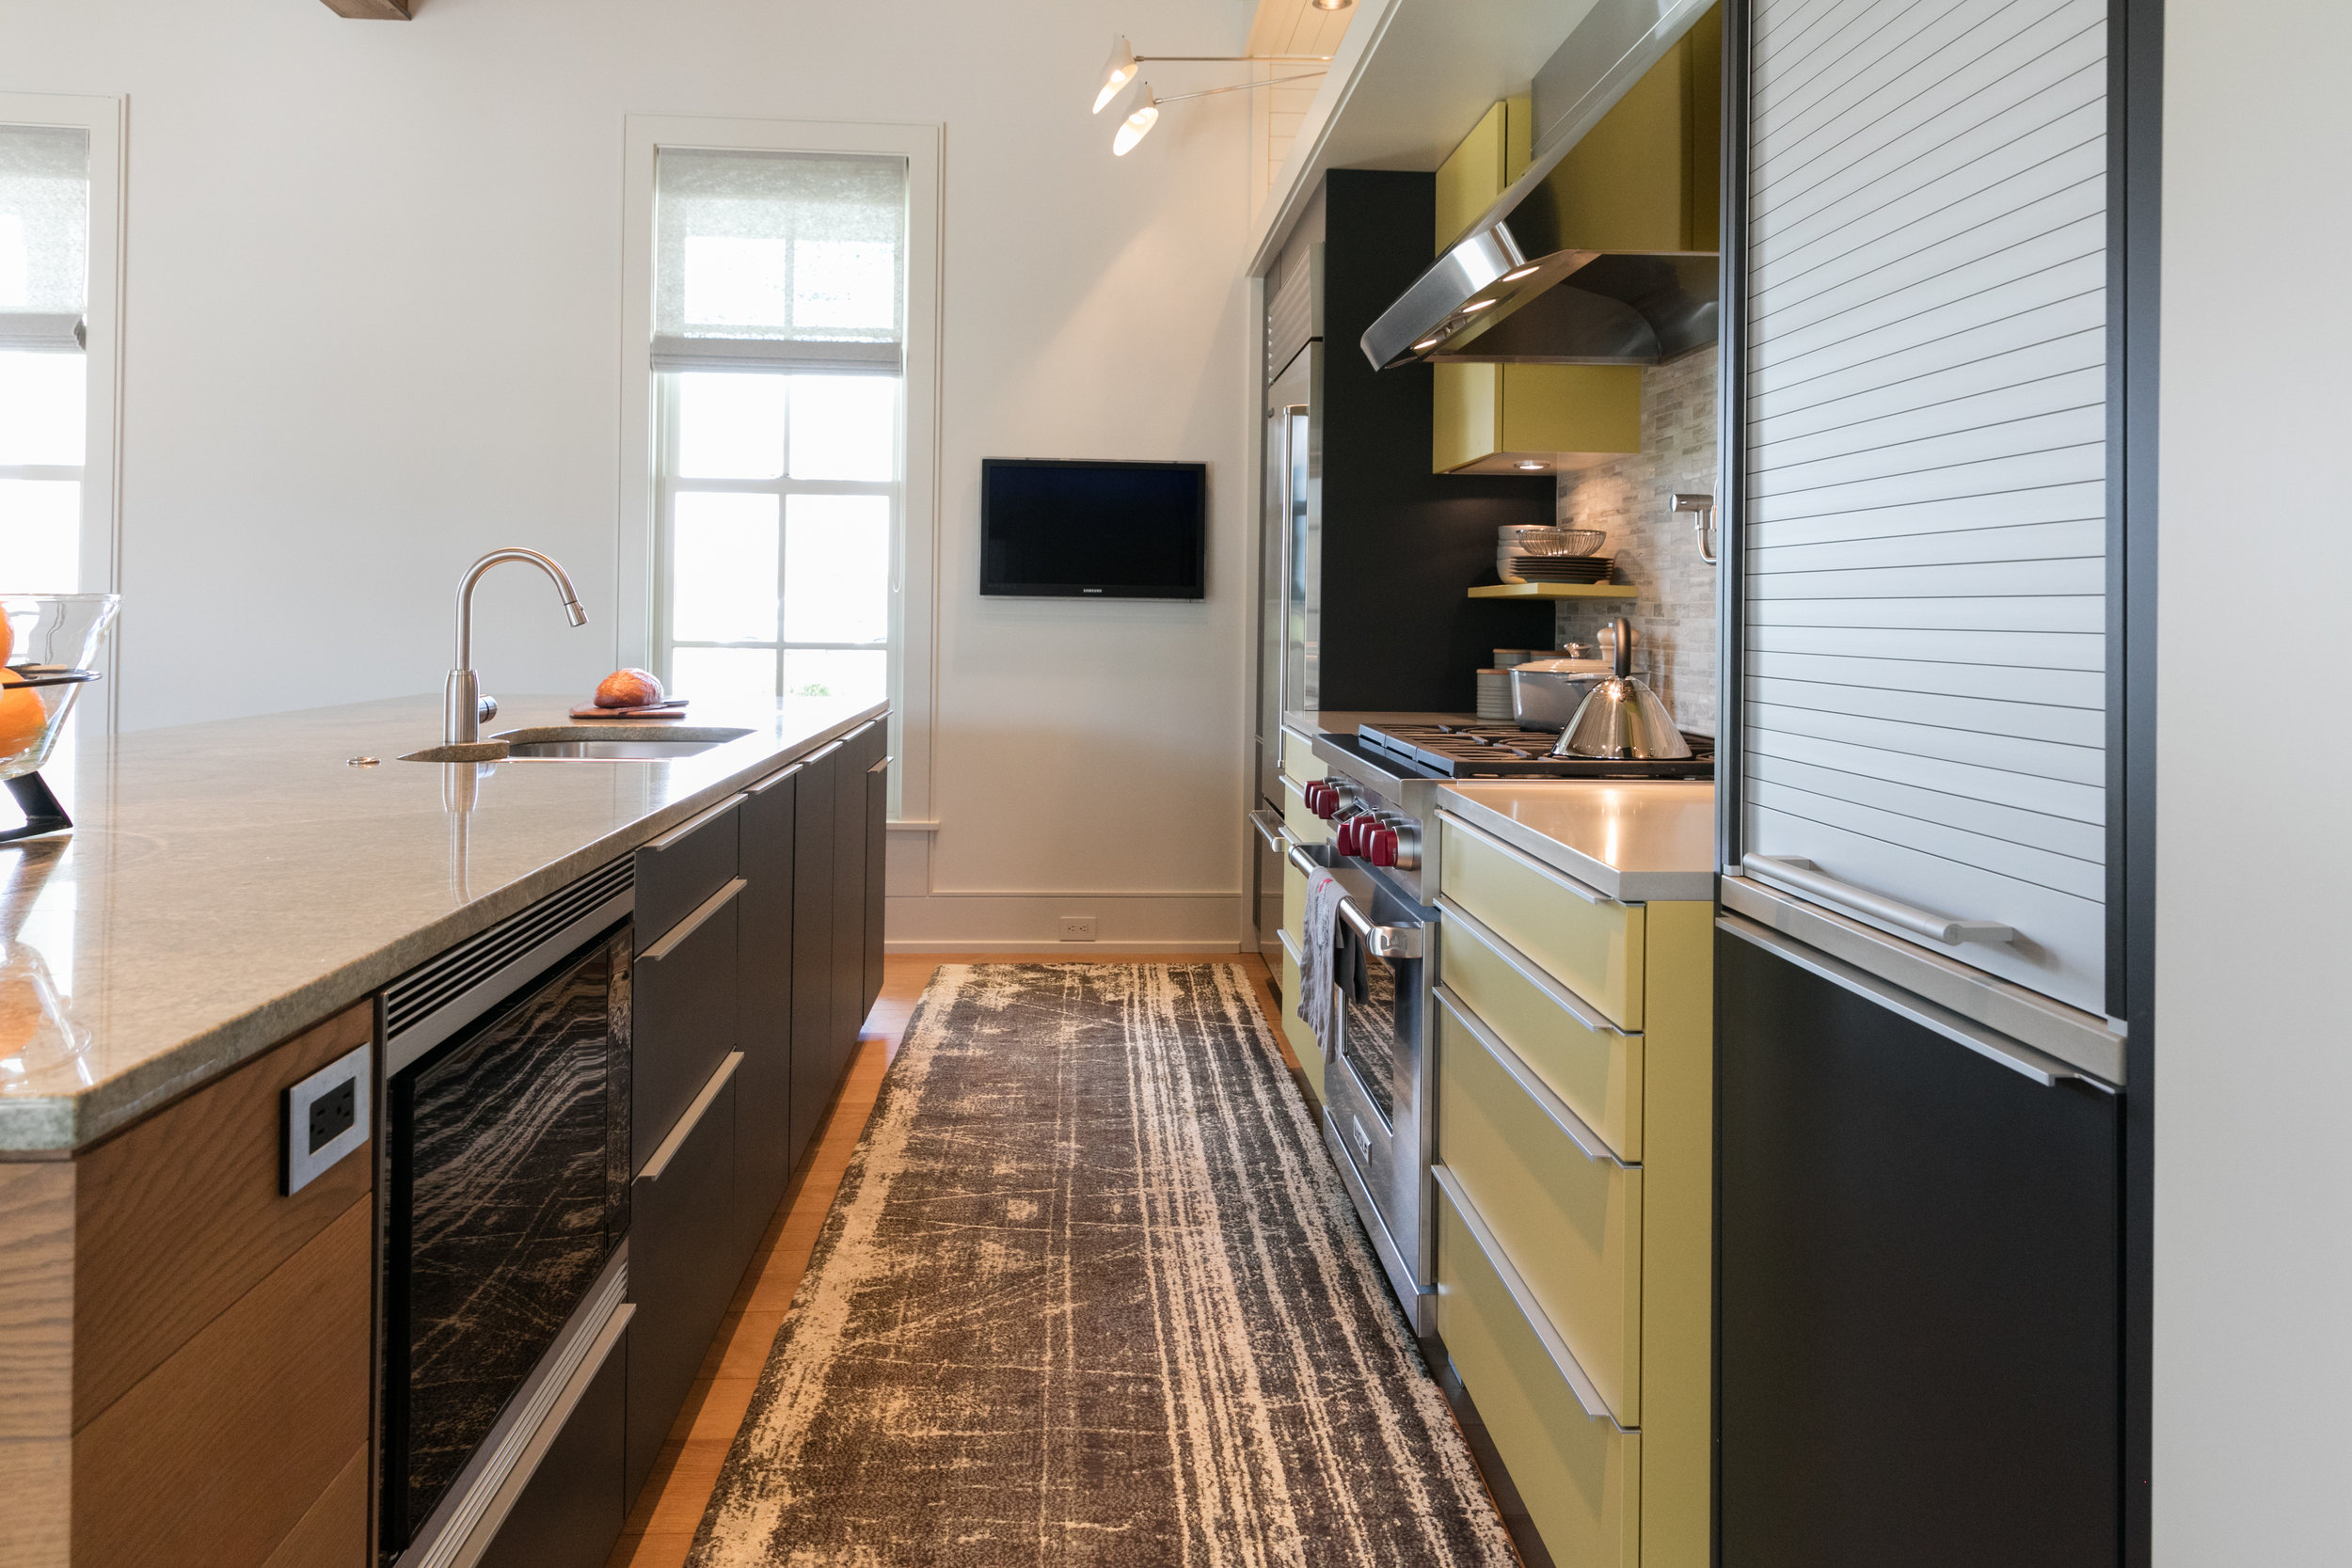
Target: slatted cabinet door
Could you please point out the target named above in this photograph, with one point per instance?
(1925, 418)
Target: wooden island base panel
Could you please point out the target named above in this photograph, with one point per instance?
(184, 1350)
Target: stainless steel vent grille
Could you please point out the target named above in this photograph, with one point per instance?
(1290, 316)
(416, 996)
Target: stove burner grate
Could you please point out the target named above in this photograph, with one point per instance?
(1506, 751)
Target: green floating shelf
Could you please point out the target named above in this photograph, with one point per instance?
(1556, 590)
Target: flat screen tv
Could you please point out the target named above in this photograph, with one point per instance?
(1108, 531)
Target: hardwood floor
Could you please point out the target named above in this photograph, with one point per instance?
(662, 1528)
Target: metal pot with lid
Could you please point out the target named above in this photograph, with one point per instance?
(1621, 718)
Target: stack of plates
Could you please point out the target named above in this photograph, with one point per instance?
(1564, 568)
(1494, 694)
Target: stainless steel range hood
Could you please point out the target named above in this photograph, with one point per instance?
(1549, 277)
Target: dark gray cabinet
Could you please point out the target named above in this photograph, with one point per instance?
(570, 1512)
(876, 851)
(859, 749)
(1920, 1288)
(683, 1266)
(757, 924)
(815, 1068)
(764, 1152)
(684, 1016)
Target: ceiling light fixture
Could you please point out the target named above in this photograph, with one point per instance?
(1139, 110)
(1535, 468)
(1330, 5)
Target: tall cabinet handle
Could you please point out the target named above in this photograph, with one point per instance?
(1804, 876)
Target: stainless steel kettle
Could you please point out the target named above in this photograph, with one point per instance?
(1621, 720)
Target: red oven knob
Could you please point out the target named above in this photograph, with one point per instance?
(1321, 798)
(1380, 845)
(1350, 838)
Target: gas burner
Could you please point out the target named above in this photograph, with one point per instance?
(1506, 751)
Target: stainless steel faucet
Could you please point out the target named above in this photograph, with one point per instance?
(462, 700)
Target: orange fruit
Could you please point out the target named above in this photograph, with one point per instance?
(8, 640)
(22, 716)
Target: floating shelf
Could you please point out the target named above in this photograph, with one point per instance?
(1556, 590)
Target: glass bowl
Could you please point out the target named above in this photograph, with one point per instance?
(52, 640)
(1567, 541)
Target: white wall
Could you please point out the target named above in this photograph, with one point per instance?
(2253, 1205)
(372, 330)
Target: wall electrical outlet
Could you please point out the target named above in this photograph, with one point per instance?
(1077, 928)
(326, 1117)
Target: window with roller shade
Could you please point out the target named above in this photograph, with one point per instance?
(778, 354)
(44, 283)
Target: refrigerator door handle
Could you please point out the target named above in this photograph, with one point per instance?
(1804, 876)
(2019, 1058)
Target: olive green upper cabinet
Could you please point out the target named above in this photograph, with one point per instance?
(1645, 178)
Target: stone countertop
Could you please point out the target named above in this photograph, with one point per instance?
(1635, 840)
(227, 885)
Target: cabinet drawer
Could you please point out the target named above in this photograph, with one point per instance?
(1300, 760)
(1581, 1478)
(1566, 1214)
(1589, 942)
(682, 1268)
(1293, 905)
(1295, 1030)
(681, 868)
(1594, 1067)
(684, 1016)
(1304, 825)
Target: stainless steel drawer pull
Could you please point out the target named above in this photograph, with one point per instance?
(1804, 876)
(678, 933)
(691, 1119)
(1552, 874)
(880, 766)
(1302, 861)
(1573, 1127)
(1563, 1360)
(683, 828)
(764, 786)
(1530, 970)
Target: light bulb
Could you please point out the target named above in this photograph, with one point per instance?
(1514, 277)
(1117, 71)
(1133, 129)
(1330, 5)
(1532, 468)
(1477, 304)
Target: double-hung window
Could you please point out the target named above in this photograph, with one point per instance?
(779, 361)
(44, 293)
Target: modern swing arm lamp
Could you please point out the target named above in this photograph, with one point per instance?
(1120, 70)
(1138, 108)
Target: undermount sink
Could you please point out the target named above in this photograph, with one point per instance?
(606, 750)
(615, 742)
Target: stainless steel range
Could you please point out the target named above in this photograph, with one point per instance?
(1379, 1112)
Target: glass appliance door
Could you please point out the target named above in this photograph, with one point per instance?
(508, 1154)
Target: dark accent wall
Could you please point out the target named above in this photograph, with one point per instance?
(1401, 546)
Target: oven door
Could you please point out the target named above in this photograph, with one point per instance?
(1377, 1101)
(508, 1180)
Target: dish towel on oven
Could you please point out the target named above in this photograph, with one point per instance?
(1334, 959)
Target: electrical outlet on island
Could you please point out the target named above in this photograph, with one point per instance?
(1077, 928)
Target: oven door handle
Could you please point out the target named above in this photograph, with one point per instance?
(1381, 942)
(1270, 828)
(1303, 863)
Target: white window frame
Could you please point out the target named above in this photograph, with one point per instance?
(914, 577)
(102, 457)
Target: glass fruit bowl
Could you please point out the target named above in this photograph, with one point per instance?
(48, 642)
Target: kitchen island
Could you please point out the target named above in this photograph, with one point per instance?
(229, 885)
(288, 1023)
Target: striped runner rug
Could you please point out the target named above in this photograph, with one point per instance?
(1091, 1292)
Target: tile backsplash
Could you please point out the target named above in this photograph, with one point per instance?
(1655, 548)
